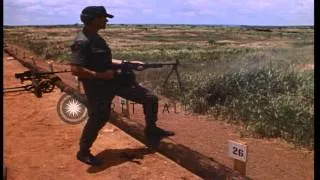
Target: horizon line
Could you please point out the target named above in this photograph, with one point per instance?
(80, 24)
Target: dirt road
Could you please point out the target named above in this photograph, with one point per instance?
(38, 145)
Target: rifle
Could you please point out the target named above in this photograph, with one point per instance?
(41, 82)
(127, 65)
(127, 77)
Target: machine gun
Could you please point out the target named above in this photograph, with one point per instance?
(126, 75)
(40, 82)
(127, 65)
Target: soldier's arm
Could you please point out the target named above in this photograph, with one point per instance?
(115, 61)
(78, 61)
(88, 74)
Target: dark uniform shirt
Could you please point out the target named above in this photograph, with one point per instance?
(91, 52)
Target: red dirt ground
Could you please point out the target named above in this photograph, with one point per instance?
(267, 158)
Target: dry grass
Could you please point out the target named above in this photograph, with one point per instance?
(211, 58)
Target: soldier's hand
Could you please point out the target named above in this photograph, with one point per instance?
(139, 68)
(108, 74)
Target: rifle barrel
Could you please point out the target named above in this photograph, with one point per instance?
(54, 72)
(164, 64)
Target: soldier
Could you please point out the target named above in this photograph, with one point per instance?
(90, 61)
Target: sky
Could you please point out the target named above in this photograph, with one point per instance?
(209, 12)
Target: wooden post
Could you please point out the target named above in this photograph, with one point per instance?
(124, 105)
(33, 61)
(238, 150)
(77, 82)
(239, 166)
(50, 63)
(127, 113)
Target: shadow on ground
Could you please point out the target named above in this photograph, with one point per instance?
(114, 157)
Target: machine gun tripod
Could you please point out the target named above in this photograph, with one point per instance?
(174, 69)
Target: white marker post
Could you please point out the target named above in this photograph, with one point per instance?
(239, 152)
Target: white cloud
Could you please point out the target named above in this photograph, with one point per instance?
(208, 12)
(147, 11)
(122, 13)
(258, 4)
(20, 2)
(253, 5)
(199, 4)
(188, 14)
(33, 8)
(306, 6)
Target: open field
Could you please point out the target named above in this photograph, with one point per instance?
(253, 77)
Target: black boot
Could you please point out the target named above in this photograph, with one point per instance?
(156, 131)
(88, 158)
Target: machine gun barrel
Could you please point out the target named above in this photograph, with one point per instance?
(159, 65)
(28, 74)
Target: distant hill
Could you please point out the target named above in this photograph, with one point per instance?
(46, 26)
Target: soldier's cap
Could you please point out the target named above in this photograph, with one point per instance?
(96, 11)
